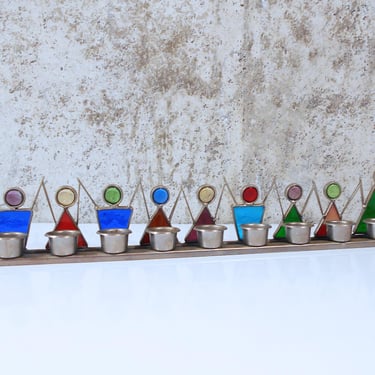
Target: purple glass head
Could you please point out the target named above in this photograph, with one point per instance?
(293, 192)
(14, 197)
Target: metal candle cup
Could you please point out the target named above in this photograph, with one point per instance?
(63, 242)
(298, 233)
(114, 241)
(163, 238)
(210, 236)
(339, 230)
(255, 234)
(12, 244)
(370, 224)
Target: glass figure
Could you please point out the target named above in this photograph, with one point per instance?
(293, 193)
(332, 191)
(368, 210)
(112, 216)
(116, 216)
(206, 194)
(17, 219)
(159, 196)
(66, 197)
(249, 212)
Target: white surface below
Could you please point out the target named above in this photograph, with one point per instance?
(288, 313)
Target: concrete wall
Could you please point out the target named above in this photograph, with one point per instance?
(186, 92)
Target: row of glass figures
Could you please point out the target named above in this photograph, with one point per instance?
(115, 216)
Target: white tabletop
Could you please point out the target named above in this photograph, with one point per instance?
(287, 313)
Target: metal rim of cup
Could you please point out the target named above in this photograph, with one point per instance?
(62, 233)
(12, 235)
(210, 228)
(298, 224)
(114, 232)
(256, 226)
(339, 223)
(162, 230)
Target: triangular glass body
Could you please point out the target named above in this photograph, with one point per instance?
(158, 220)
(66, 222)
(204, 218)
(291, 216)
(368, 212)
(331, 214)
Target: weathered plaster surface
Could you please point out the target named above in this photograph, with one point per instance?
(186, 92)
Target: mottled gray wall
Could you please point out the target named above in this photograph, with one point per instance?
(186, 92)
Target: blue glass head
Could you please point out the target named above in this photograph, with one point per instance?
(160, 195)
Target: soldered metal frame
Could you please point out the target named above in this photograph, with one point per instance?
(31, 209)
(330, 204)
(291, 205)
(244, 203)
(158, 205)
(204, 205)
(183, 250)
(114, 206)
(110, 206)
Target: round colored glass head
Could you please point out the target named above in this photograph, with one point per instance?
(66, 196)
(332, 190)
(112, 194)
(160, 195)
(14, 197)
(206, 194)
(250, 194)
(294, 192)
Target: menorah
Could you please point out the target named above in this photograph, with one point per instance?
(205, 236)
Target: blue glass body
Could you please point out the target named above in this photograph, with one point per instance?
(114, 218)
(15, 221)
(247, 214)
